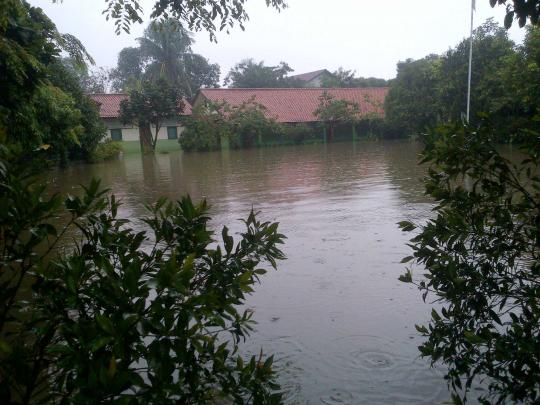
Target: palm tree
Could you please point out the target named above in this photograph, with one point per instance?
(165, 47)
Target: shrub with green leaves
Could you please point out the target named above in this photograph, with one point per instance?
(116, 314)
(481, 257)
(106, 150)
(205, 128)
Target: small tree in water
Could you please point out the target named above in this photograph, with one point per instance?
(149, 106)
(333, 112)
(481, 254)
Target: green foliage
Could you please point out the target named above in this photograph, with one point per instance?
(207, 15)
(250, 124)
(64, 75)
(243, 125)
(147, 316)
(250, 74)
(482, 263)
(206, 128)
(412, 101)
(431, 91)
(149, 106)
(300, 133)
(493, 52)
(57, 120)
(90, 81)
(521, 10)
(42, 102)
(106, 150)
(346, 78)
(332, 112)
(22, 58)
(165, 52)
(129, 69)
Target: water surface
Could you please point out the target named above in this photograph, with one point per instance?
(339, 322)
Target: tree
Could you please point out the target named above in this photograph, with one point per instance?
(208, 15)
(412, 102)
(206, 128)
(481, 259)
(521, 10)
(90, 81)
(433, 90)
(200, 73)
(250, 124)
(346, 78)
(129, 69)
(213, 123)
(165, 52)
(333, 112)
(525, 69)
(150, 106)
(42, 102)
(250, 74)
(492, 51)
(122, 315)
(163, 48)
(30, 42)
(65, 75)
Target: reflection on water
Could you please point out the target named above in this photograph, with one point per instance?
(339, 322)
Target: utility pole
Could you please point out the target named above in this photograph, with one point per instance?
(473, 8)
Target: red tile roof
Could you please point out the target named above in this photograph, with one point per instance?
(109, 104)
(298, 105)
(307, 77)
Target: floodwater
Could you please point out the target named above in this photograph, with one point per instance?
(339, 322)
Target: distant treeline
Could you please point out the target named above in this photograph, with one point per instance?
(505, 84)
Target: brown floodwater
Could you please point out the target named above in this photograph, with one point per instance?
(339, 322)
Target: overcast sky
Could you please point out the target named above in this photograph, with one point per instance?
(364, 35)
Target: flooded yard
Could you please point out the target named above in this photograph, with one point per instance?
(339, 322)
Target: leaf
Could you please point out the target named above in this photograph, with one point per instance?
(407, 259)
(111, 370)
(99, 343)
(407, 277)
(508, 19)
(227, 240)
(5, 348)
(105, 324)
(473, 338)
(406, 226)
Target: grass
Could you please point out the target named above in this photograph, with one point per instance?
(162, 146)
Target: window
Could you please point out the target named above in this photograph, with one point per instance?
(116, 134)
(172, 132)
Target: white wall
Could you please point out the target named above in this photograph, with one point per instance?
(131, 132)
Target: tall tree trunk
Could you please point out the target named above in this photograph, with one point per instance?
(145, 137)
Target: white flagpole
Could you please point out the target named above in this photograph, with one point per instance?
(473, 7)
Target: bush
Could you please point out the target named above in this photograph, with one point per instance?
(482, 262)
(106, 150)
(243, 125)
(249, 123)
(299, 133)
(125, 316)
(205, 128)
